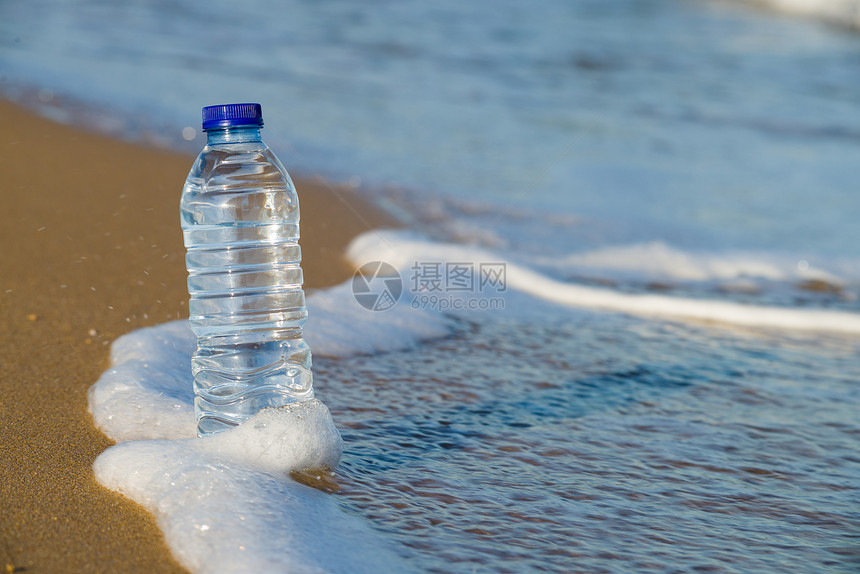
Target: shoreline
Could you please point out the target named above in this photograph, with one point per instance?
(93, 250)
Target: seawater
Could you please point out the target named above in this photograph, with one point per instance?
(601, 443)
(699, 153)
(548, 437)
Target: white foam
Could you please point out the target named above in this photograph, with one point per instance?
(403, 249)
(657, 261)
(226, 503)
(842, 12)
(147, 393)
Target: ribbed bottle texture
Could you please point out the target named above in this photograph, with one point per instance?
(240, 221)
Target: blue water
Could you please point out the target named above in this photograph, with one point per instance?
(594, 443)
(548, 132)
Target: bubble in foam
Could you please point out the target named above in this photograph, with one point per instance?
(293, 437)
(226, 502)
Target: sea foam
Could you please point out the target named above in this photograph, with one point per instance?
(841, 12)
(226, 503)
(403, 249)
(658, 261)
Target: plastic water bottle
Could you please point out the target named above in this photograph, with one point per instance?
(240, 221)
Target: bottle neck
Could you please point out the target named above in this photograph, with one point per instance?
(243, 134)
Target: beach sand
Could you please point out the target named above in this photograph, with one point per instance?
(92, 249)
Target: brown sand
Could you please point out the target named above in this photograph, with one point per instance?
(91, 249)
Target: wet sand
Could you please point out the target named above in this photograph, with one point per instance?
(92, 249)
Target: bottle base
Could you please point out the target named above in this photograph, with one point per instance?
(213, 418)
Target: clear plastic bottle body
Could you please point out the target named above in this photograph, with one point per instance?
(240, 222)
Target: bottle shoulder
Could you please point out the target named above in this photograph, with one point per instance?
(238, 185)
(239, 166)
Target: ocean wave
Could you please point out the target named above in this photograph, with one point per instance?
(657, 260)
(841, 12)
(404, 249)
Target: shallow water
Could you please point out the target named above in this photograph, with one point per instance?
(601, 443)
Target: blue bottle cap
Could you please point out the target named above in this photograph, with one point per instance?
(232, 115)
